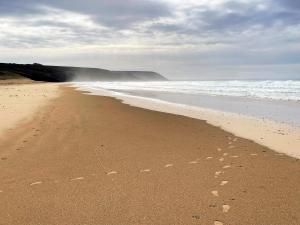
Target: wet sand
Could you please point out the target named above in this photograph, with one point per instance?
(93, 160)
(281, 136)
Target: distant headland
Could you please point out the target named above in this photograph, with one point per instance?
(39, 72)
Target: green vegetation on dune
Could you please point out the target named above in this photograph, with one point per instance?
(7, 75)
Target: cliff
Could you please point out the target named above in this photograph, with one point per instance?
(40, 72)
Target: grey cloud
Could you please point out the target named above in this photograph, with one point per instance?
(17, 8)
(237, 21)
(234, 33)
(233, 16)
(291, 4)
(119, 13)
(112, 13)
(116, 15)
(124, 14)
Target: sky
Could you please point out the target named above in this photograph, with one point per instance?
(181, 39)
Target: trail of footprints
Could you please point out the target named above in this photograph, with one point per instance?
(215, 193)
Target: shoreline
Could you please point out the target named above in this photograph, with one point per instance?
(87, 159)
(281, 137)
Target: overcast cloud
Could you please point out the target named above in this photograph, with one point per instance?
(186, 39)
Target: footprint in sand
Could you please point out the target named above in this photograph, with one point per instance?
(221, 159)
(225, 154)
(226, 167)
(207, 158)
(218, 223)
(212, 205)
(223, 182)
(253, 154)
(111, 172)
(146, 170)
(226, 208)
(215, 193)
(36, 183)
(229, 142)
(219, 149)
(77, 178)
(168, 165)
(218, 173)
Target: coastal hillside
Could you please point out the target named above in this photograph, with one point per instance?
(40, 72)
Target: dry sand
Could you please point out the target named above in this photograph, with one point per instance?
(19, 101)
(93, 160)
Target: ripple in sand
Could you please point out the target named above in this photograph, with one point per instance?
(224, 182)
(234, 156)
(226, 208)
(207, 158)
(253, 154)
(218, 223)
(36, 183)
(77, 178)
(226, 167)
(111, 172)
(215, 193)
(193, 162)
(168, 165)
(146, 170)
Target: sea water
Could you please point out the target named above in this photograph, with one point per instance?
(278, 100)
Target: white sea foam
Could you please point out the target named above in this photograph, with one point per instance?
(267, 89)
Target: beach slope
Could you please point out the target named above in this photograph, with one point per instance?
(92, 160)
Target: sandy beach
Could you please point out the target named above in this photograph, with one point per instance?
(20, 99)
(280, 136)
(82, 159)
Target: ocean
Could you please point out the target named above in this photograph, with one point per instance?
(277, 100)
